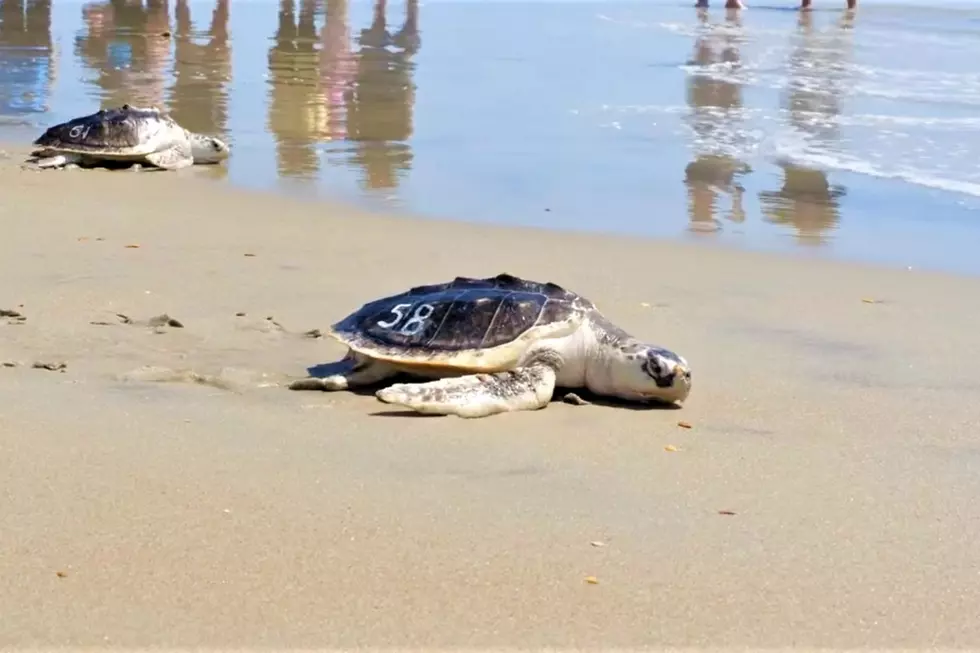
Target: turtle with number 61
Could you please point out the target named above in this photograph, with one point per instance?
(494, 345)
(126, 134)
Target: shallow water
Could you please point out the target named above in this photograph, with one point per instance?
(850, 135)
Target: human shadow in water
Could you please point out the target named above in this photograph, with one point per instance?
(818, 81)
(715, 102)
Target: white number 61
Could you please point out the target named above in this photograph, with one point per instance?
(78, 131)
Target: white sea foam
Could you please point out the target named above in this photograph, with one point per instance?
(837, 161)
(828, 97)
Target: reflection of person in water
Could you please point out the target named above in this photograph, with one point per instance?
(807, 200)
(297, 111)
(380, 105)
(27, 62)
(202, 71)
(127, 46)
(729, 4)
(715, 104)
(337, 67)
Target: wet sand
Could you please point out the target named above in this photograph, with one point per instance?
(767, 129)
(825, 496)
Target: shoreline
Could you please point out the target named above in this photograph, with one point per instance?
(146, 507)
(667, 649)
(686, 238)
(16, 152)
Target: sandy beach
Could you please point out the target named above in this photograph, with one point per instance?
(163, 489)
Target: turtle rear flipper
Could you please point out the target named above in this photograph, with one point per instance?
(56, 160)
(352, 371)
(477, 395)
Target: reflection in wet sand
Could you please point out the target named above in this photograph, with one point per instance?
(337, 67)
(716, 106)
(298, 112)
(327, 91)
(27, 64)
(202, 71)
(807, 200)
(380, 107)
(127, 46)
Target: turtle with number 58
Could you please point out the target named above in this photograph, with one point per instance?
(485, 346)
(126, 134)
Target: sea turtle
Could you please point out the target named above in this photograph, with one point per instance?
(495, 345)
(126, 134)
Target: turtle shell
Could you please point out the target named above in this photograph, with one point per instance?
(440, 323)
(119, 131)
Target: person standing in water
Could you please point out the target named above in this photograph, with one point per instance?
(738, 4)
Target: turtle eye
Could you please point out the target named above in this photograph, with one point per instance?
(652, 367)
(657, 368)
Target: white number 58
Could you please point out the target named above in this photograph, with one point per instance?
(414, 324)
(399, 311)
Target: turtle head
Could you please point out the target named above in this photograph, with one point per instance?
(208, 149)
(646, 372)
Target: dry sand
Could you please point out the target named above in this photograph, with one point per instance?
(148, 510)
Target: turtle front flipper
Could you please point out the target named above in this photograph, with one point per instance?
(178, 156)
(476, 395)
(351, 371)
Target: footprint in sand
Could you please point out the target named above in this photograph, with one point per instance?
(229, 378)
(157, 322)
(232, 379)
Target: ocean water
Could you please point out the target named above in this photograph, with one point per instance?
(828, 133)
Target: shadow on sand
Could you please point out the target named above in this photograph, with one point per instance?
(323, 370)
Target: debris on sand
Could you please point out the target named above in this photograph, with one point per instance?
(575, 400)
(11, 316)
(53, 367)
(164, 320)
